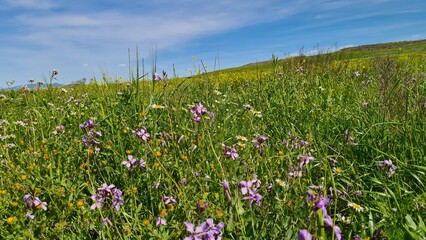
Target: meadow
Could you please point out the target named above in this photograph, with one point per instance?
(320, 147)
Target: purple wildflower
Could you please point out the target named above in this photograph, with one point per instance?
(104, 194)
(304, 160)
(225, 186)
(157, 77)
(118, 199)
(97, 201)
(259, 141)
(202, 206)
(39, 204)
(168, 200)
(89, 124)
(130, 163)
(206, 230)
(254, 197)
(107, 222)
(249, 189)
(387, 164)
(160, 221)
(229, 152)
(59, 129)
(142, 134)
(30, 216)
(304, 235)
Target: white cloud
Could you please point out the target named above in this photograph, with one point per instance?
(29, 4)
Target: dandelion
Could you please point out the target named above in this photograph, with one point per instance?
(11, 220)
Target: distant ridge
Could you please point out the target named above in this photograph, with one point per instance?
(31, 86)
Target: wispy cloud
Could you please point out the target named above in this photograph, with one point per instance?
(27, 4)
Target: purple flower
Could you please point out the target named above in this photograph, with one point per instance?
(387, 164)
(160, 221)
(157, 77)
(168, 200)
(249, 187)
(39, 204)
(59, 129)
(304, 235)
(105, 194)
(97, 201)
(107, 222)
(229, 152)
(118, 199)
(225, 186)
(254, 197)
(206, 230)
(142, 134)
(30, 216)
(259, 141)
(304, 160)
(28, 203)
(198, 111)
(202, 207)
(106, 189)
(130, 163)
(89, 124)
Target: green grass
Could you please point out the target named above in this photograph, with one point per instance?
(347, 114)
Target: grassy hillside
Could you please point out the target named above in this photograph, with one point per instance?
(393, 49)
(316, 146)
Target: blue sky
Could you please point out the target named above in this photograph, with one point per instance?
(85, 38)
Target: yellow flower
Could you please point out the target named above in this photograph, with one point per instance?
(3, 192)
(70, 205)
(355, 206)
(281, 183)
(219, 214)
(80, 203)
(129, 151)
(155, 106)
(134, 189)
(171, 207)
(12, 220)
(142, 114)
(163, 212)
(158, 154)
(156, 164)
(184, 158)
(125, 131)
(241, 138)
(146, 222)
(281, 153)
(337, 171)
(14, 204)
(24, 177)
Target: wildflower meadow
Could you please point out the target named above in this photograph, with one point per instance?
(304, 148)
